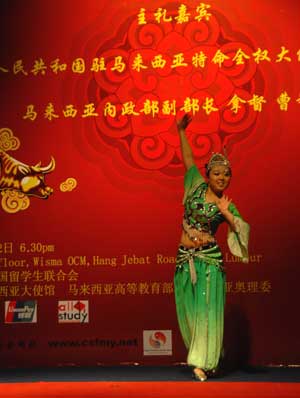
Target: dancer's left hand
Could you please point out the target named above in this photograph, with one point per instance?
(223, 203)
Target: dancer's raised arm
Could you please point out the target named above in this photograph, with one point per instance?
(186, 150)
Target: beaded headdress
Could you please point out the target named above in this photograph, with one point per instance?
(217, 159)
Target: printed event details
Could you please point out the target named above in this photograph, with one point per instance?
(36, 255)
(31, 269)
(98, 261)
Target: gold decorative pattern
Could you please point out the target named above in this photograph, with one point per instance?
(68, 185)
(18, 180)
(14, 201)
(29, 180)
(8, 142)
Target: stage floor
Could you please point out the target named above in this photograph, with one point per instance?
(145, 373)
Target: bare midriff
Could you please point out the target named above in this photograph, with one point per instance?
(196, 238)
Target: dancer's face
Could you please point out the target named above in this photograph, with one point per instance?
(219, 178)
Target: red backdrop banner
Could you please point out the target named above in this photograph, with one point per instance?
(92, 179)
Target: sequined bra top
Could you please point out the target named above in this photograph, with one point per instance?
(201, 215)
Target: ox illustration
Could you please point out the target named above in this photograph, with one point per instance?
(29, 180)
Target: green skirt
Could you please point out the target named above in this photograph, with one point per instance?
(200, 305)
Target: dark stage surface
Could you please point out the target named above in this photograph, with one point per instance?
(145, 373)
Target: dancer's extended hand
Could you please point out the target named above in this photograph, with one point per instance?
(223, 203)
(184, 122)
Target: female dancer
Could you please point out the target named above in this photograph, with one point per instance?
(199, 278)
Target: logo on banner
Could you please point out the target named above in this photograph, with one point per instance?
(157, 342)
(20, 311)
(73, 311)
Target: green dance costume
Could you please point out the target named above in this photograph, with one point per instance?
(200, 279)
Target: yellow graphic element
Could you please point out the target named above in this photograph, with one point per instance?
(169, 108)
(282, 55)
(69, 111)
(57, 67)
(38, 276)
(14, 201)
(190, 105)
(110, 110)
(6, 248)
(89, 110)
(219, 58)
(199, 59)
(142, 17)
(150, 107)
(183, 15)
(119, 288)
(49, 112)
(98, 65)
(8, 142)
(208, 106)
(119, 65)
(69, 185)
(30, 114)
(178, 61)
(202, 12)
(240, 56)
(19, 67)
(283, 101)
(39, 67)
(158, 62)
(78, 65)
(235, 102)
(128, 108)
(29, 180)
(257, 102)
(138, 63)
(261, 55)
(161, 14)
(264, 287)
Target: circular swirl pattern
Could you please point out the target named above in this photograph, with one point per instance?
(151, 152)
(8, 142)
(69, 185)
(14, 201)
(138, 107)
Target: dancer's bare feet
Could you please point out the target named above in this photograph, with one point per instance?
(200, 374)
